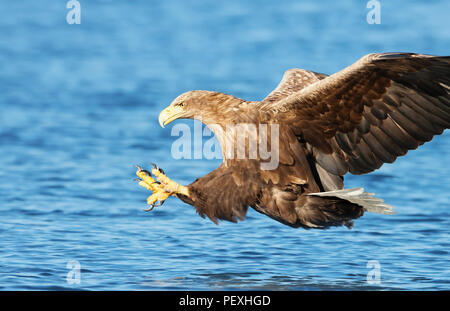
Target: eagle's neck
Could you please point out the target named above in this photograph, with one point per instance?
(228, 118)
(218, 108)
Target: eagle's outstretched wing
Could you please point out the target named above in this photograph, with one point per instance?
(293, 81)
(371, 112)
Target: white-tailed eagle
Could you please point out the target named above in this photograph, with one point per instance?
(352, 121)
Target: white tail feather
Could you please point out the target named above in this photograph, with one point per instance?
(358, 196)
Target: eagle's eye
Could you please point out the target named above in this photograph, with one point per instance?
(181, 104)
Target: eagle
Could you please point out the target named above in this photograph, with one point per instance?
(352, 121)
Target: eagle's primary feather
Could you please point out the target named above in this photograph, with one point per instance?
(352, 121)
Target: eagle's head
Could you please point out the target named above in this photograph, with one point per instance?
(205, 106)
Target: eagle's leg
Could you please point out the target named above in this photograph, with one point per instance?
(169, 185)
(159, 193)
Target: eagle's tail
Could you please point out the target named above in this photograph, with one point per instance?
(359, 197)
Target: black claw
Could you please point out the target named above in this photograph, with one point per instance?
(149, 209)
(142, 170)
(152, 206)
(137, 179)
(158, 168)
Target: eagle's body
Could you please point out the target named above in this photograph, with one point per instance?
(353, 121)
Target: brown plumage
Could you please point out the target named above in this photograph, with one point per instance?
(352, 121)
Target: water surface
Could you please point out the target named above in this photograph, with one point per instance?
(79, 107)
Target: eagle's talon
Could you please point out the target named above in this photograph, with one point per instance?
(145, 172)
(149, 209)
(152, 206)
(161, 186)
(141, 170)
(156, 167)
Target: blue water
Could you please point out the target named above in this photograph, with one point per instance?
(79, 107)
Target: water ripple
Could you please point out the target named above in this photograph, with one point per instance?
(79, 106)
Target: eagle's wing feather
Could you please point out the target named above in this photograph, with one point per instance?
(293, 81)
(371, 112)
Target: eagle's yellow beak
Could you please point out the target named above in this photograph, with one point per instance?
(169, 114)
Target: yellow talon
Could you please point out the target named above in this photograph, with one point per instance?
(149, 180)
(147, 186)
(162, 188)
(160, 196)
(169, 184)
